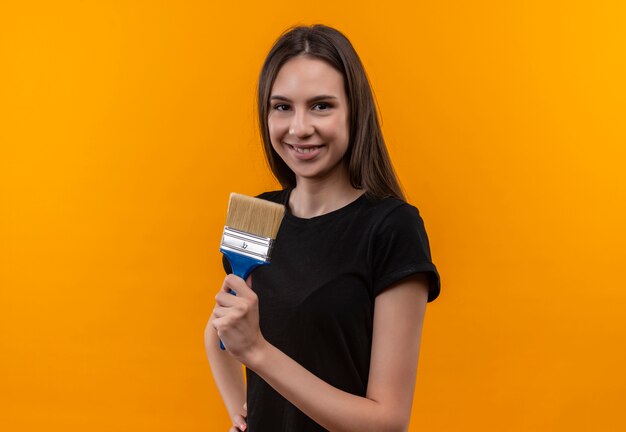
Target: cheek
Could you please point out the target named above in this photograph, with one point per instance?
(339, 129)
(272, 129)
(275, 128)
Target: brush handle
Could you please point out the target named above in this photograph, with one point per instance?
(241, 266)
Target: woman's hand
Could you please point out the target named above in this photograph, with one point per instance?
(236, 319)
(239, 421)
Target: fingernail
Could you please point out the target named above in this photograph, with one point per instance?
(243, 427)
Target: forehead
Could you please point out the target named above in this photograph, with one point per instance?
(306, 76)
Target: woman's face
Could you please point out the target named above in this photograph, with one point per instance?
(308, 117)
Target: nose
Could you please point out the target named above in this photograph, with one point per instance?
(301, 125)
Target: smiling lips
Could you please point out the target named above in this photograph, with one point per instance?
(305, 152)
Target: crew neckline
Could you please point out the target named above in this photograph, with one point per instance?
(331, 214)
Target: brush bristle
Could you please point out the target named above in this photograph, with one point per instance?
(254, 215)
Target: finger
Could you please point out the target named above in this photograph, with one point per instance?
(245, 406)
(219, 312)
(217, 323)
(235, 282)
(226, 300)
(238, 285)
(227, 284)
(240, 422)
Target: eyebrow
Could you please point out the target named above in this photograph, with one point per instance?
(313, 99)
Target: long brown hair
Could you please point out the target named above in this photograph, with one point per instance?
(369, 165)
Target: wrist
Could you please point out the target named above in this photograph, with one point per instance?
(257, 355)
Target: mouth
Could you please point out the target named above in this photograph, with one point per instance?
(304, 149)
(304, 152)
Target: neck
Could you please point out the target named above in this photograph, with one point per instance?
(315, 197)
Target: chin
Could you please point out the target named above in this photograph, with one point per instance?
(308, 175)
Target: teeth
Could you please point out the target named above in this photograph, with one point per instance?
(305, 150)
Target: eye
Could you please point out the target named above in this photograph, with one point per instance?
(278, 106)
(325, 106)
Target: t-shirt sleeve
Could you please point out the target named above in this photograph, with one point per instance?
(400, 249)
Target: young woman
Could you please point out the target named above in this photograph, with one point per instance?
(330, 331)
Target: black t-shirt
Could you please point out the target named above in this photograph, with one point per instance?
(316, 298)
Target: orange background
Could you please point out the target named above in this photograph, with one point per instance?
(125, 125)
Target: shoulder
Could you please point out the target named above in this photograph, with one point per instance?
(395, 221)
(392, 213)
(400, 247)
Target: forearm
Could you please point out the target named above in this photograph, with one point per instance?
(227, 373)
(333, 409)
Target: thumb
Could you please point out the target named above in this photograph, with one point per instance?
(237, 284)
(245, 289)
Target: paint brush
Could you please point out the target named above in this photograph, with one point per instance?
(249, 234)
